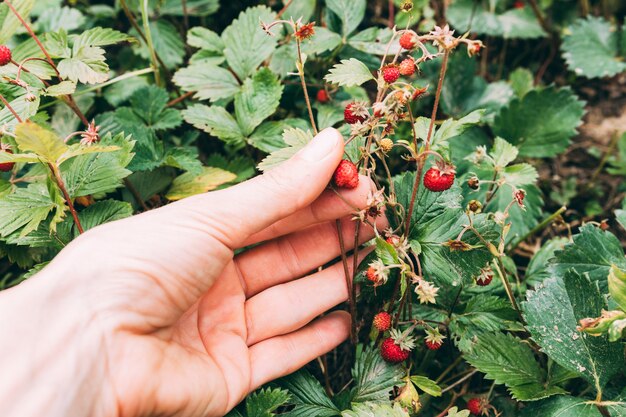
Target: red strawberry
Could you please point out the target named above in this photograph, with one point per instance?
(393, 240)
(518, 4)
(440, 177)
(407, 67)
(346, 175)
(485, 278)
(382, 321)
(322, 96)
(6, 166)
(5, 55)
(371, 274)
(408, 40)
(393, 353)
(353, 113)
(433, 345)
(477, 405)
(391, 73)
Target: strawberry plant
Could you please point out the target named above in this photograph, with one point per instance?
(493, 131)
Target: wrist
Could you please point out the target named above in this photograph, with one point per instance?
(52, 352)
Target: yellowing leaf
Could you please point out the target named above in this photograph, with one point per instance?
(34, 138)
(189, 184)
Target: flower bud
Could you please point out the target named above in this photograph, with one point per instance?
(475, 206)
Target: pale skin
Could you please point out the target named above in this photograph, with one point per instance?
(155, 315)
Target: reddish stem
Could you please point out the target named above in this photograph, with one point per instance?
(59, 181)
(11, 109)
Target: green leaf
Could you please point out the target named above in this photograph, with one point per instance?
(465, 15)
(295, 139)
(103, 212)
(98, 172)
(34, 138)
(185, 158)
(189, 184)
(55, 18)
(258, 99)
(263, 402)
(386, 252)
(302, 9)
(592, 253)
(26, 208)
(24, 108)
(167, 42)
(503, 153)
(349, 72)
(451, 128)
(590, 48)
(247, 45)
(214, 120)
(150, 103)
(454, 412)
(427, 385)
(370, 409)
(553, 311)
(209, 81)
(308, 396)
(374, 378)
(9, 23)
(99, 37)
(508, 360)
(193, 7)
(87, 65)
(351, 13)
(203, 38)
(323, 40)
(538, 267)
(268, 137)
(61, 89)
(521, 81)
(561, 406)
(374, 41)
(542, 122)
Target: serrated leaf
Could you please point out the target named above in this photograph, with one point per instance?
(78, 149)
(349, 72)
(189, 184)
(26, 208)
(214, 120)
(508, 360)
(268, 137)
(374, 378)
(86, 65)
(351, 13)
(538, 266)
(590, 48)
(520, 174)
(521, 81)
(246, 44)
(592, 253)
(150, 103)
(10, 23)
(55, 18)
(210, 82)
(323, 40)
(24, 108)
(427, 385)
(454, 412)
(203, 38)
(295, 139)
(553, 311)
(542, 122)
(258, 99)
(99, 37)
(192, 7)
(98, 172)
(185, 158)
(60, 89)
(371, 409)
(308, 396)
(451, 128)
(44, 143)
(263, 402)
(465, 15)
(375, 41)
(503, 153)
(103, 212)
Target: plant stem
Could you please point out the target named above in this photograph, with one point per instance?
(507, 287)
(420, 159)
(146, 28)
(346, 271)
(59, 181)
(355, 266)
(538, 228)
(304, 89)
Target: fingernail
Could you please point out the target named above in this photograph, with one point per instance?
(321, 146)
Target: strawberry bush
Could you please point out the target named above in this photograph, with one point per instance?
(494, 130)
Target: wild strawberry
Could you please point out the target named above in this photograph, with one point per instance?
(440, 177)
(377, 273)
(391, 73)
(6, 166)
(393, 240)
(433, 339)
(398, 346)
(346, 175)
(386, 144)
(382, 321)
(519, 4)
(519, 196)
(485, 277)
(407, 66)
(408, 40)
(355, 112)
(477, 406)
(322, 96)
(5, 55)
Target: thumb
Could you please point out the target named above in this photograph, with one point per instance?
(256, 204)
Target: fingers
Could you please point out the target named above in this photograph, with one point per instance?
(249, 207)
(282, 355)
(328, 206)
(285, 308)
(292, 256)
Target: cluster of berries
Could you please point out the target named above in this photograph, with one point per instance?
(5, 59)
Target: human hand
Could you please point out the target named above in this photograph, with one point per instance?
(154, 315)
